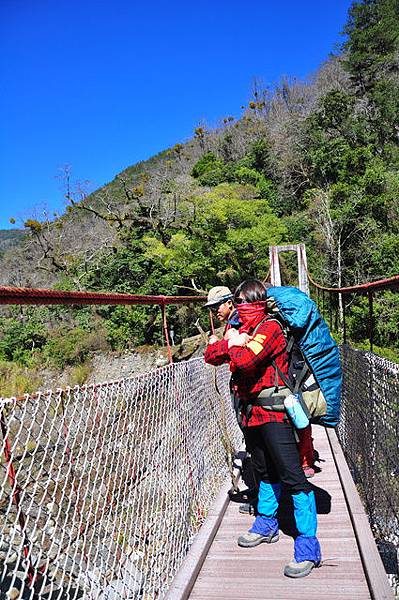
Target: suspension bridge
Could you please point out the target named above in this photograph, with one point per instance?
(119, 490)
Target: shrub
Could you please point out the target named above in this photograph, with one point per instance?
(79, 374)
(19, 339)
(16, 380)
(71, 347)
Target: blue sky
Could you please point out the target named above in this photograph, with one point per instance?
(101, 85)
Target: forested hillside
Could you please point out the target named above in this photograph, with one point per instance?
(314, 162)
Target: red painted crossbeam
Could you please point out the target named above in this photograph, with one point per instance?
(12, 295)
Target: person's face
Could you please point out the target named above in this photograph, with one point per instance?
(223, 311)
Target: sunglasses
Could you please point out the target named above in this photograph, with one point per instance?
(215, 307)
(239, 301)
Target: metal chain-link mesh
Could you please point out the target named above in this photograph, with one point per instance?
(369, 435)
(103, 487)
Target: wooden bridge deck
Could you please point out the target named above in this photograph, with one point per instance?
(351, 567)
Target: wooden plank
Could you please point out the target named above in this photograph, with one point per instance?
(372, 563)
(288, 248)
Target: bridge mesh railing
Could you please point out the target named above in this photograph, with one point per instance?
(369, 435)
(102, 488)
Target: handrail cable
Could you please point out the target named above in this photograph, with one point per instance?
(14, 295)
(381, 284)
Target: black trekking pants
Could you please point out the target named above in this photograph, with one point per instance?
(275, 457)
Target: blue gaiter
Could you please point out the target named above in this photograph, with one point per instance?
(268, 499)
(306, 546)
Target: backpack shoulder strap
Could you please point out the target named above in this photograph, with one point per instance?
(290, 344)
(259, 324)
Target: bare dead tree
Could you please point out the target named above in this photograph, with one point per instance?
(50, 258)
(336, 232)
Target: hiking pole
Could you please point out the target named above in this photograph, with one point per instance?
(221, 420)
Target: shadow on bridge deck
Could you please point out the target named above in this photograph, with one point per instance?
(351, 566)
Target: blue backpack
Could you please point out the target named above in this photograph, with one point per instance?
(310, 333)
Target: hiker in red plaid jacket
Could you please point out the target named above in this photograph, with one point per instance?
(270, 436)
(251, 364)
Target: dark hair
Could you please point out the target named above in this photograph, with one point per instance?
(252, 290)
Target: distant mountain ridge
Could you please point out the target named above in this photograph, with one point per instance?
(9, 238)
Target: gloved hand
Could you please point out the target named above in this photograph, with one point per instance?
(237, 339)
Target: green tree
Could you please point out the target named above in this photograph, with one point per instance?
(371, 57)
(209, 170)
(20, 338)
(228, 237)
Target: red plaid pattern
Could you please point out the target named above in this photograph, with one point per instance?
(252, 369)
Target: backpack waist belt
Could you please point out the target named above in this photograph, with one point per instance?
(269, 399)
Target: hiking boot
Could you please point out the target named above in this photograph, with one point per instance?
(309, 472)
(246, 509)
(299, 569)
(250, 540)
(243, 495)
